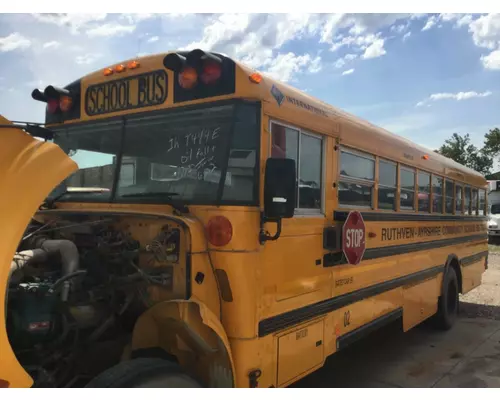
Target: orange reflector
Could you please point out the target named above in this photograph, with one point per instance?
(220, 231)
(4, 384)
(108, 71)
(133, 64)
(120, 68)
(255, 77)
(65, 103)
(188, 78)
(426, 157)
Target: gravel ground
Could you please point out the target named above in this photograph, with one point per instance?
(484, 301)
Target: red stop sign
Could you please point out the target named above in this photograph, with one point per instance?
(353, 238)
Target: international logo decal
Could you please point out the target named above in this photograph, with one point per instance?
(279, 97)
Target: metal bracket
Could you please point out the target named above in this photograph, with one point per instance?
(263, 235)
(253, 377)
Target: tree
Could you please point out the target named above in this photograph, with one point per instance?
(492, 143)
(459, 149)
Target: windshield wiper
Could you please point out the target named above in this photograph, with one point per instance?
(182, 208)
(150, 194)
(49, 203)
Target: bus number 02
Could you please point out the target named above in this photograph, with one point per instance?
(347, 319)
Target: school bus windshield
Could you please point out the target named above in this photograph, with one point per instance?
(186, 153)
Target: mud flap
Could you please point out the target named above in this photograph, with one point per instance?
(29, 170)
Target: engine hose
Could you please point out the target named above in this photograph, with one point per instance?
(57, 284)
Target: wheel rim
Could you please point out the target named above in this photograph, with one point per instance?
(451, 303)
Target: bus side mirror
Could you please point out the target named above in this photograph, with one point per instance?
(280, 184)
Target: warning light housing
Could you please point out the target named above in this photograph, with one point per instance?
(63, 104)
(199, 74)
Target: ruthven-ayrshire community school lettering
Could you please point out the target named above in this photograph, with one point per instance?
(412, 232)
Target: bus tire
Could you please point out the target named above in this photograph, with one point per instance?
(448, 302)
(144, 373)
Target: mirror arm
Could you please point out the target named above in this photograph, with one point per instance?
(263, 236)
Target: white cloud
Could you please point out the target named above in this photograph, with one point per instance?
(399, 28)
(137, 17)
(376, 49)
(14, 41)
(359, 43)
(454, 96)
(87, 59)
(75, 22)
(111, 29)
(284, 66)
(344, 60)
(153, 39)
(431, 21)
(459, 96)
(459, 19)
(406, 36)
(486, 31)
(358, 23)
(465, 20)
(339, 63)
(492, 60)
(53, 44)
(255, 39)
(348, 72)
(315, 65)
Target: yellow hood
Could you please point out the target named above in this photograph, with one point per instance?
(29, 170)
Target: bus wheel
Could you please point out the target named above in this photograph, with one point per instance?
(144, 373)
(448, 302)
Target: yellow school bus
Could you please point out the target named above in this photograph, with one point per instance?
(182, 220)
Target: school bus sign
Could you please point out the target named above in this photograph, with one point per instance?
(353, 238)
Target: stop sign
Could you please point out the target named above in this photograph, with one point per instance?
(353, 238)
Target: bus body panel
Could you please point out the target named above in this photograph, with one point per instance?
(274, 304)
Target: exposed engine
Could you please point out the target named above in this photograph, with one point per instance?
(75, 292)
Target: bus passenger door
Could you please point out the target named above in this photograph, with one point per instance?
(294, 276)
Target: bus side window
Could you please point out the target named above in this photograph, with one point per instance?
(449, 197)
(407, 182)
(424, 186)
(467, 200)
(357, 174)
(437, 194)
(285, 144)
(307, 151)
(310, 171)
(474, 202)
(387, 185)
(482, 202)
(458, 198)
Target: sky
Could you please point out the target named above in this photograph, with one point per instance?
(422, 76)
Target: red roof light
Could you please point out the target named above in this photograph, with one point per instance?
(211, 72)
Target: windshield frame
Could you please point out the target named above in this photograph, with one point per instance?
(90, 197)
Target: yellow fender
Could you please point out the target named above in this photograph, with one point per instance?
(188, 330)
(29, 170)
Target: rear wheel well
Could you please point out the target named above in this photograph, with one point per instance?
(453, 263)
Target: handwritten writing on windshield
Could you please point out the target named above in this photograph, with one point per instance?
(198, 152)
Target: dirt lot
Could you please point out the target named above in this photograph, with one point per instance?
(485, 300)
(466, 356)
